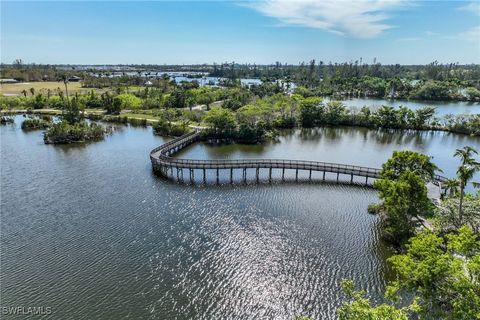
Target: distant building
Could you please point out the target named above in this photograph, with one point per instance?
(148, 83)
(74, 79)
(8, 81)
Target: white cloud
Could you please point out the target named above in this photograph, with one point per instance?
(359, 19)
(472, 6)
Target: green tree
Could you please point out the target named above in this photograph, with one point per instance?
(177, 99)
(403, 161)
(473, 94)
(335, 113)
(386, 117)
(72, 111)
(250, 114)
(64, 78)
(222, 122)
(359, 307)
(127, 101)
(439, 275)
(434, 90)
(405, 117)
(404, 201)
(191, 98)
(444, 279)
(309, 111)
(447, 213)
(109, 104)
(465, 172)
(393, 85)
(422, 117)
(451, 186)
(38, 102)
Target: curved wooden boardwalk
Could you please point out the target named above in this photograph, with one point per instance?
(164, 164)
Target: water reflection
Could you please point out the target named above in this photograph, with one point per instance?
(350, 145)
(441, 107)
(336, 135)
(89, 228)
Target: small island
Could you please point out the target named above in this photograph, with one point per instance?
(65, 132)
(250, 113)
(37, 123)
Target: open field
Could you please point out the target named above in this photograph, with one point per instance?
(15, 89)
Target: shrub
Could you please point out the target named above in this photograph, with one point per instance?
(12, 102)
(137, 122)
(38, 102)
(64, 132)
(165, 128)
(6, 120)
(35, 124)
(127, 101)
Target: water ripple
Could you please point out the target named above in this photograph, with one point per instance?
(95, 236)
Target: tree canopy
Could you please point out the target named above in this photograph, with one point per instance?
(403, 161)
(438, 276)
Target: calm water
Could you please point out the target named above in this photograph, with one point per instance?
(357, 146)
(441, 107)
(90, 232)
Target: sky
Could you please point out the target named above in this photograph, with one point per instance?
(262, 32)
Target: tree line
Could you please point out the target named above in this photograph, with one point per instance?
(255, 115)
(434, 81)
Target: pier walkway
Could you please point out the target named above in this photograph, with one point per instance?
(166, 165)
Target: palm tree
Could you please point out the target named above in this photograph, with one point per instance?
(32, 91)
(64, 79)
(465, 172)
(24, 92)
(452, 186)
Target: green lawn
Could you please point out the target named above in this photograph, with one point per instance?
(15, 89)
(150, 118)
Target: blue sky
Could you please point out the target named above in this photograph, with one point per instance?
(161, 32)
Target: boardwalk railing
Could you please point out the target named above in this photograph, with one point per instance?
(162, 162)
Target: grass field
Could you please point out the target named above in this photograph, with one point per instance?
(15, 89)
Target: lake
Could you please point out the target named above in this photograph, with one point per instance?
(91, 232)
(441, 107)
(347, 145)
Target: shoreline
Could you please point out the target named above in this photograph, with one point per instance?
(148, 119)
